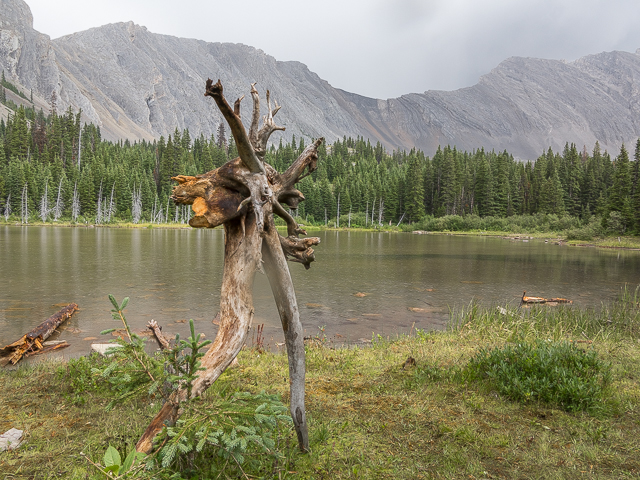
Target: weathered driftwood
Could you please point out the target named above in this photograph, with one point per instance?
(244, 195)
(157, 332)
(33, 341)
(540, 300)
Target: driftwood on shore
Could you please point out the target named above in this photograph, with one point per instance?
(157, 332)
(244, 195)
(541, 300)
(33, 341)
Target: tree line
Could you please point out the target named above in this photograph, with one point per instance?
(55, 168)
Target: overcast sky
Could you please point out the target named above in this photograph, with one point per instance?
(376, 48)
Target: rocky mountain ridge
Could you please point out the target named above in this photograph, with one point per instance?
(139, 85)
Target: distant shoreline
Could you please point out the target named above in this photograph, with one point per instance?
(611, 242)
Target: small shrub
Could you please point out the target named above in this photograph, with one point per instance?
(615, 223)
(552, 372)
(587, 232)
(78, 376)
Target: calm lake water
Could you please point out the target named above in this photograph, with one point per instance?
(174, 275)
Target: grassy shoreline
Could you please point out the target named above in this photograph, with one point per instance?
(370, 414)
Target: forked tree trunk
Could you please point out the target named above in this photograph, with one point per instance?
(243, 195)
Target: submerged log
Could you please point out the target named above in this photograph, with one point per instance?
(33, 341)
(540, 300)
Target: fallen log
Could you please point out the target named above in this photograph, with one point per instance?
(559, 300)
(531, 300)
(33, 341)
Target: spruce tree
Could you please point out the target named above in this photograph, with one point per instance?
(414, 199)
(636, 189)
(619, 196)
(482, 187)
(571, 182)
(448, 182)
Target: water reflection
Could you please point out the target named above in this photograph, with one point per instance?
(404, 280)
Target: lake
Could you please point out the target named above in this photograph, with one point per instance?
(361, 283)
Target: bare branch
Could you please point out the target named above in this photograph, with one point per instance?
(299, 249)
(245, 149)
(268, 127)
(292, 227)
(236, 106)
(236, 316)
(308, 160)
(168, 415)
(255, 118)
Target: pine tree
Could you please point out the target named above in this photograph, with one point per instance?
(552, 194)
(620, 192)
(19, 139)
(448, 183)
(4, 161)
(222, 137)
(572, 174)
(167, 166)
(483, 186)
(414, 199)
(87, 192)
(636, 188)
(500, 188)
(329, 202)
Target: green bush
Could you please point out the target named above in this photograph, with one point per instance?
(558, 373)
(516, 223)
(615, 223)
(77, 375)
(587, 232)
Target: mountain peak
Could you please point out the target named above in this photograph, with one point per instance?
(140, 85)
(15, 13)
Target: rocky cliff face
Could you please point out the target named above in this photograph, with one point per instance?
(136, 84)
(25, 54)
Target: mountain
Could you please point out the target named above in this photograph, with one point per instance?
(136, 84)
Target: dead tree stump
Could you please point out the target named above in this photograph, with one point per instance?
(243, 195)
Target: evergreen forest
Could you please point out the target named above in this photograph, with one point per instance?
(54, 168)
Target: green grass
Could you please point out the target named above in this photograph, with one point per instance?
(368, 416)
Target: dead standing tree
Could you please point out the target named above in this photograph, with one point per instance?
(243, 195)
